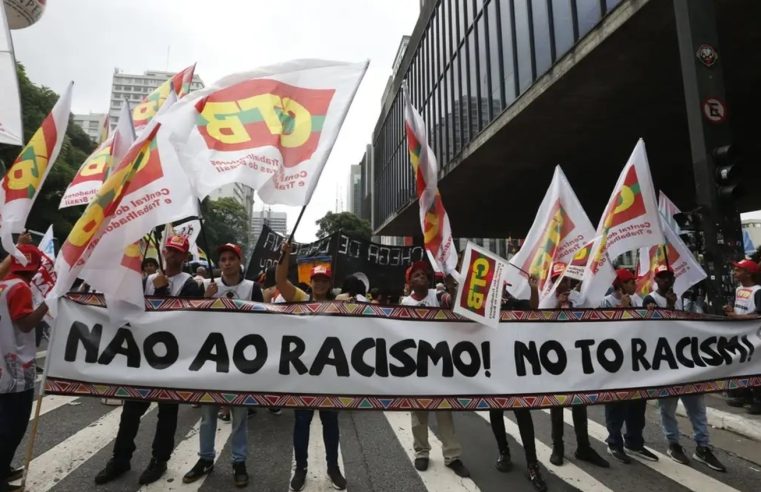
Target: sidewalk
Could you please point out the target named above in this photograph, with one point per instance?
(722, 416)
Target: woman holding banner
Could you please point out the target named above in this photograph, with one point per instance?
(320, 280)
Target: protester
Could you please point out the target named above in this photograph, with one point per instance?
(353, 289)
(419, 277)
(230, 285)
(321, 285)
(171, 282)
(584, 451)
(149, 266)
(522, 415)
(201, 274)
(747, 305)
(631, 412)
(664, 296)
(18, 320)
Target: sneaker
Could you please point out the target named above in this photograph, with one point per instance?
(240, 475)
(644, 453)
(459, 468)
(504, 464)
(15, 474)
(421, 464)
(556, 458)
(619, 454)
(201, 468)
(590, 456)
(677, 454)
(535, 477)
(336, 478)
(299, 478)
(154, 471)
(276, 411)
(706, 456)
(112, 471)
(223, 416)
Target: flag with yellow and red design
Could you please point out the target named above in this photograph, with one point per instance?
(25, 177)
(631, 221)
(146, 109)
(271, 129)
(93, 171)
(434, 221)
(560, 230)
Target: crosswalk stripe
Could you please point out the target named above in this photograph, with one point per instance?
(438, 477)
(569, 472)
(317, 477)
(51, 402)
(54, 465)
(681, 474)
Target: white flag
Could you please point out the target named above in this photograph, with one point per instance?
(631, 220)
(667, 209)
(479, 293)
(271, 129)
(560, 231)
(47, 244)
(25, 177)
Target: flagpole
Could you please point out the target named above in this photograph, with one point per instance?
(205, 242)
(156, 243)
(666, 255)
(293, 232)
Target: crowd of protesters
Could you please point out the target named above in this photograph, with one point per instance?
(19, 317)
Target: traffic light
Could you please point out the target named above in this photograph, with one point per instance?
(727, 174)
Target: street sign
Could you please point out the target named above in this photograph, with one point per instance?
(714, 110)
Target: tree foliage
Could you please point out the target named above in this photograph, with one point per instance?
(36, 103)
(345, 222)
(225, 221)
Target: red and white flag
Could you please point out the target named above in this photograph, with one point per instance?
(93, 171)
(560, 231)
(179, 84)
(271, 129)
(25, 177)
(479, 293)
(434, 220)
(631, 221)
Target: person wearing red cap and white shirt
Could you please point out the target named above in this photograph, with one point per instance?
(230, 285)
(320, 280)
(631, 412)
(18, 320)
(419, 278)
(172, 281)
(568, 298)
(747, 305)
(664, 296)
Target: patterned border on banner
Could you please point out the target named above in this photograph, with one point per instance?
(355, 402)
(337, 308)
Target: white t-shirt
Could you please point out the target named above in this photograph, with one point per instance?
(17, 349)
(662, 302)
(430, 300)
(745, 300)
(241, 290)
(611, 301)
(176, 283)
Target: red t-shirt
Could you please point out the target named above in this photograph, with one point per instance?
(19, 300)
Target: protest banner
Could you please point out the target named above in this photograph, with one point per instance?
(366, 356)
(384, 265)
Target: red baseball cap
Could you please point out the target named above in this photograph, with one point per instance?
(418, 265)
(661, 269)
(624, 275)
(178, 243)
(320, 270)
(557, 270)
(33, 259)
(233, 248)
(747, 265)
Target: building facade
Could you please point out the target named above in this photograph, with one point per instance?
(134, 87)
(90, 123)
(241, 193)
(354, 189)
(277, 221)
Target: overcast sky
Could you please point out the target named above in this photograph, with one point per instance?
(84, 40)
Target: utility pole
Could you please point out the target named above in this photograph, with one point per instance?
(713, 157)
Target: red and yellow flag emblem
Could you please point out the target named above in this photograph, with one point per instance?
(27, 171)
(144, 112)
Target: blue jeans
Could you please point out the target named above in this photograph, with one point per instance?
(209, 430)
(696, 411)
(329, 419)
(633, 414)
